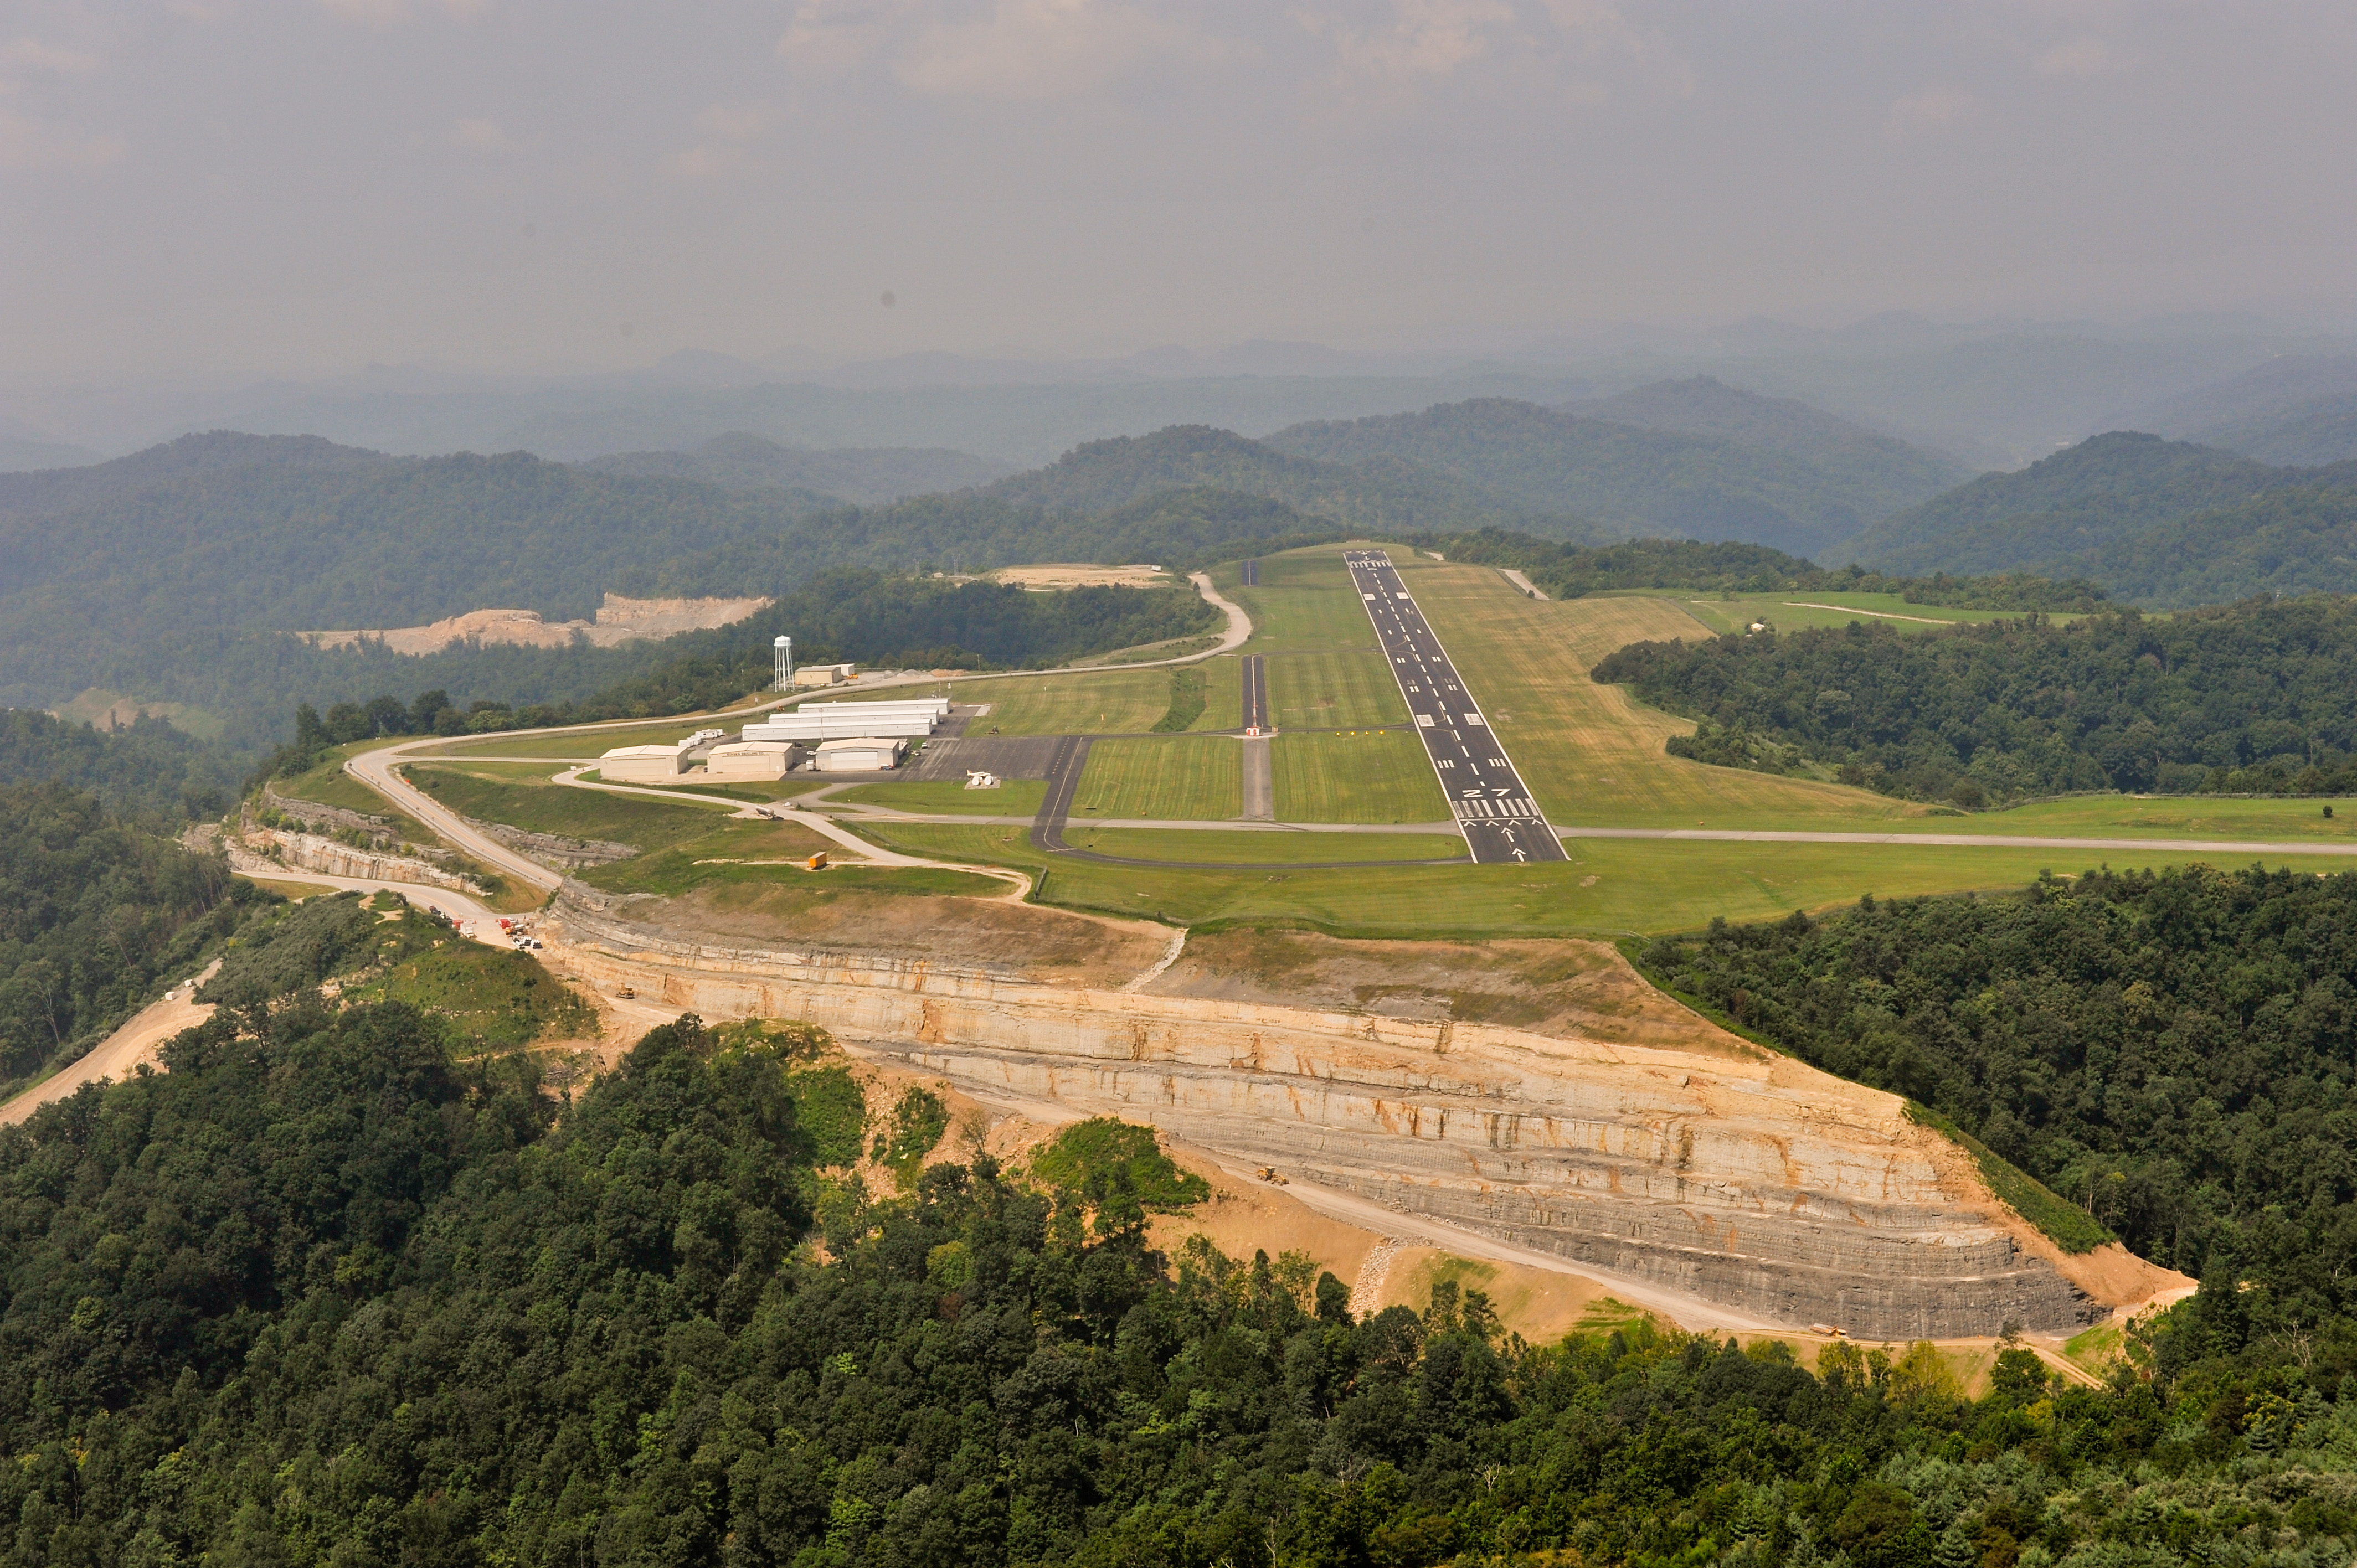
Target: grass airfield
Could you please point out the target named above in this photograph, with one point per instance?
(1593, 755)
(1344, 755)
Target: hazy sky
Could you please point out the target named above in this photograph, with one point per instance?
(235, 186)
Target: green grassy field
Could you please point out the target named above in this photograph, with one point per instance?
(771, 854)
(542, 808)
(1304, 600)
(1372, 776)
(2161, 817)
(1110, 701)
(1223, 694)
(1591, 754)
(1333, 690)
(1013, 798)
(584, 746)
(1174, 777)
(1263, 848)
(1607, 886)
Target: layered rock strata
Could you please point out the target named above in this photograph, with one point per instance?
(309, 852)
(1753, 1182)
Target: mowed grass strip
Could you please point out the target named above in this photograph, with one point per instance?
(1173, 778)
(1333, 690)
(1223, 694)
(1373, 776)
(1304, 600)
(544, 807)
(1265, 848)
(1591, 754)
(1108, 701)
(772, 854)
(1606, 888)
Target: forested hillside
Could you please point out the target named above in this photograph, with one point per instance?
(2295, 540)
(2249, 698)
(94, 914)
(2169, 1050)
(323, 1292)
(1627, 480)
(863, 476)
(2162, 522)
(1569, 572)
(145, 769)
(340, 540)
(1884, 473)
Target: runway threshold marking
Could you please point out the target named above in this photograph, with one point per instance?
(1493, 806)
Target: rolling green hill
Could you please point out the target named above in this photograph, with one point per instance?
(2080, 513)
(1631, 481)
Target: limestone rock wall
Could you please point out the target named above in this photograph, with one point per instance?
(1759, 1184)
(309, 852)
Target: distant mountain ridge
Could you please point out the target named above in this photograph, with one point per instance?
(1631, 480)
(2295, 411)
(1103, 476)
(1887, 472)
(865, 476)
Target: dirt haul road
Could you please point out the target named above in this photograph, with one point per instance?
(120, 1053)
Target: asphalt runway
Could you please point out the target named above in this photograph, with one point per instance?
(1493, 806)
(1256, 679)
(1251, 578)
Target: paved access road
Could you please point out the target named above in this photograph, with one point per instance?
(1493, 806)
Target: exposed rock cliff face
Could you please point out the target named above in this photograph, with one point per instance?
(309, 852)
(1755, 1182)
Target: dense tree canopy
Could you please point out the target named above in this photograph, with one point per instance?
(1570, 572)
(320, 1295)
(148, 768)
(94, 914)
(2173, 1051)
(2249, 698)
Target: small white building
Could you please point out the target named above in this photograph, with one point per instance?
(810, 675)
(866, 754)
(752, 759)
(643, 764)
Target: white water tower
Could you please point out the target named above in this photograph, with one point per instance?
(784, 648)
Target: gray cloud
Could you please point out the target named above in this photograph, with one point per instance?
(210, 188)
